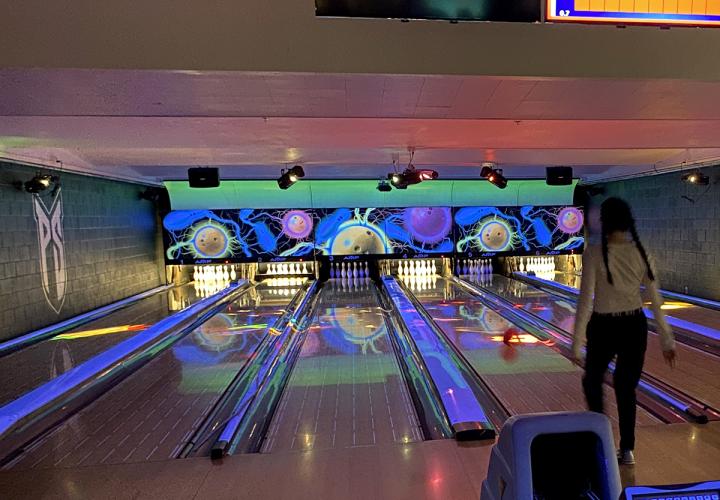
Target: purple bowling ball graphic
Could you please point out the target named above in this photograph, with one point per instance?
(428, 225)
(570, 220)
(297, 224)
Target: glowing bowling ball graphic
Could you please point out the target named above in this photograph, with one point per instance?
(428, 225)
(569, 220)
(214, 334)
(358, 328)
(297, 224)
(357, 240)
(494, 236)
(210, 241)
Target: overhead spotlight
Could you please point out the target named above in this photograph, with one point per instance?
(411, 176)
(39, 183)
(696, 177)
(290, 176)
(384, 186)
(494, 176)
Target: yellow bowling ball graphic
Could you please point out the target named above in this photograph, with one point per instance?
(215, 334)
(494, 236)
(358, 240)
(210, 241)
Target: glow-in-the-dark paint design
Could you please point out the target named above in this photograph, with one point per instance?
(538, 228)
(517, 230)
(570, 220)
(429, 225)
(359, 329)
(378, 231)
(257, 234)
(297, 224)
(245, 234)
(357, 232)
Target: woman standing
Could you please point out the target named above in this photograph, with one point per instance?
(616, 278)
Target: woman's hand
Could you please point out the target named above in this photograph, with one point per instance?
(670, 357)
(577, 352)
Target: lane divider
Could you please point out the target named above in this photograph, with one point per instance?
(458, 389)
(28, 339)
(24, 419)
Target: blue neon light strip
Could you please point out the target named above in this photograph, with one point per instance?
(682, 324)
(53, 394)
(710, 304)
(50, 331)
(256, 406)
(457, 396)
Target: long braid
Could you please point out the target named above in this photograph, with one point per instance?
(605, 256)
(641, 249)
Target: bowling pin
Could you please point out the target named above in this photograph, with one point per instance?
(433, 268)
(304, 268)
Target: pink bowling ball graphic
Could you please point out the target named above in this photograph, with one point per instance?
(570, 220)
(297, 224)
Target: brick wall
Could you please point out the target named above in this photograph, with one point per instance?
(112, 249)
(683, 236)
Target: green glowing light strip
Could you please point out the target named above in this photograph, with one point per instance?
(363, 193)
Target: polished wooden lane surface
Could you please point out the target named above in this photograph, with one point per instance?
(431, 469)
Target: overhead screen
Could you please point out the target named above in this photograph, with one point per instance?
(658, 12)
(453, 10)
(243, 235)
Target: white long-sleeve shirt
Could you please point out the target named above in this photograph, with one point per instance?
(630, 275)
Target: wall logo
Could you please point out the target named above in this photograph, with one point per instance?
(51, 250)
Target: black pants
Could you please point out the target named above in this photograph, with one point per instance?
(626, 338)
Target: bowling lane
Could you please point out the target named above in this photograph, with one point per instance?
(34, 365)
(696, 374)
(527, 377)
(346, 388)
(685, 311)
(150, 414)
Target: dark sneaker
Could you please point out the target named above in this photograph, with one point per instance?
(626, 457)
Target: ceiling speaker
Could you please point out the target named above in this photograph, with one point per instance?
(559, 176)
(203, 177)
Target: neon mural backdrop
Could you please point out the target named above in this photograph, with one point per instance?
(383, 231)
(278, 234)
(518, 230)
(238, 235)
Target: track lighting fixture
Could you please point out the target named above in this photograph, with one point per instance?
(39, 183)
(696, 177)
(290, 176)
(494, 176)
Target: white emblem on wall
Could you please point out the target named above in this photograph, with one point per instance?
(51, 250)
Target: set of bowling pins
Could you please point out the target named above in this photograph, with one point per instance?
(416, 268)
(349, 270)
(418, 283)
(288, 268)
(537, 264)
(209, 280)
(474, 266)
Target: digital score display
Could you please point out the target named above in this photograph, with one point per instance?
(655, 12)
(700, 491)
